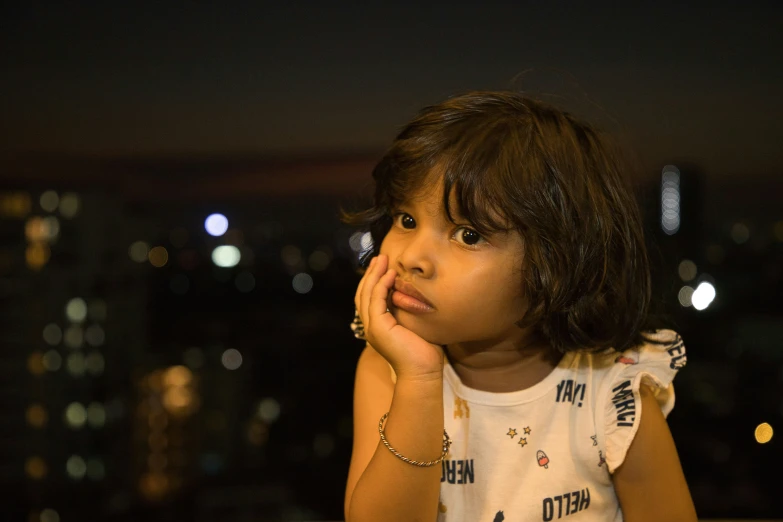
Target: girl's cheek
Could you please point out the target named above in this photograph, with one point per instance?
(384, 249)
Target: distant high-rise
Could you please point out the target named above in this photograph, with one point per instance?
(681, 202)
(68, 341)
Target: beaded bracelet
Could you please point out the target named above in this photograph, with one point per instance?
(446, 446)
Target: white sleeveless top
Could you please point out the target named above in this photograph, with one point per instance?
(547, 452)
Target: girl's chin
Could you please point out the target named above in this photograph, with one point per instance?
(419, 327)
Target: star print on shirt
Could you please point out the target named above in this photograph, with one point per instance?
(511, 432)
(527, 430)
(522, 442)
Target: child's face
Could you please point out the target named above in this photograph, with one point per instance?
(476, 293)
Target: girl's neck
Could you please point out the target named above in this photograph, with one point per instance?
(502, 369)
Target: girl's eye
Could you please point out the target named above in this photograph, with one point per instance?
(470, 237)
(403, 220)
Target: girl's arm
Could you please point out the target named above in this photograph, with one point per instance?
(381, 487)
(650, 484)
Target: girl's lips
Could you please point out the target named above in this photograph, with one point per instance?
(411, 291)
(410, 304)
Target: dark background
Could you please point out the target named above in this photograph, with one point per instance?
(149, 118)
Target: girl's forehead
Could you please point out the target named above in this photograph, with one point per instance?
(431, 201)
(427, 197)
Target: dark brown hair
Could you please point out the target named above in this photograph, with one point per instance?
(557, 181)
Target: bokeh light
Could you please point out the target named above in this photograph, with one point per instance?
(52, 334)
(360, 242)
(178, 400)
(179, 395)
(355, 241)
(670, 199)
(319, 260)
(15, 204)
(49, 201)
(763, 433)
(740, 233)
(226, 256)
(94, 335)
(76, 467)
(73, 337)
(216, 224)
(302, 283)
(366, 241)
(177, 376)
(37, 255)
(35, 363)
(52, 360)
(41, 228)
(37, 416)
(687, 270)
(685, 296)
(154, 485)
(76, 310)
(75, 364)
(269, 410)
(35, 467)
(231, 359)
(96, 415)
(158, 256)
(75, 415)
(139, 251)
(703, 296)
(70, 205)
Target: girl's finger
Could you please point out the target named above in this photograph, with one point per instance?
(379, 299)
(371, 278)
(357, 296)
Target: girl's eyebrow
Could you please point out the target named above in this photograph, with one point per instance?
(410, 206)
(458, 217)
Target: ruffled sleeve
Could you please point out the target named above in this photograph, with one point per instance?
(619, 401)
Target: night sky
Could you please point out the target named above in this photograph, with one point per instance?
(702, 84)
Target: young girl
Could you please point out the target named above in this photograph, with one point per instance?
(509, 373)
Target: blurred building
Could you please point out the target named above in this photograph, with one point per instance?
(69, 339)
(152, 357)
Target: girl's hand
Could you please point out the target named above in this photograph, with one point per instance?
(408, 354)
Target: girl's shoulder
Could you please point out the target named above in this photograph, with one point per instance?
(662, 351)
